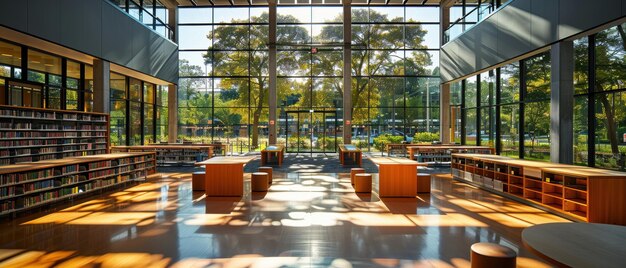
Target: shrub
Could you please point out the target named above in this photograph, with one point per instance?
(328, 143)
(381, 141)
(425, 137)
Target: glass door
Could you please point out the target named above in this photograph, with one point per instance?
(311, 131)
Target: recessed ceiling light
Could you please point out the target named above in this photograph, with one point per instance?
(7, 55)
(49, 65)
(34, 61)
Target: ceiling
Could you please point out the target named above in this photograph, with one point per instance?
(300, 2)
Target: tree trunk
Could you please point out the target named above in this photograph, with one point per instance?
(610, 128)
(255, 128)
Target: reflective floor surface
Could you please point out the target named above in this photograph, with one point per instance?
(305, 220)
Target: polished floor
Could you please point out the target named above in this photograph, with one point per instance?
(305, 220)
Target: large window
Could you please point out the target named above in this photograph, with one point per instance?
(151, 13)
(223, 86)
(537, 108)
(610, 98)
(395, 85)
(118, 109)
(224, 72)
(509, 110)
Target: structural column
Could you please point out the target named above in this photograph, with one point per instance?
(172, 113)
(444, 113)
(173, 23)
(444, 89)
(272, 72)
(347, 72)
(562, 103)
(101, 87)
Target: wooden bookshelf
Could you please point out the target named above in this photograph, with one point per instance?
(581, 193)
(172, 154)
(35, 134)
(440, 154)
(29, 185)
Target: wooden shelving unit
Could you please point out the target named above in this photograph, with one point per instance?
(172, 155)
(34, 134)
(441, 154)
(581, 193)
(30, 185)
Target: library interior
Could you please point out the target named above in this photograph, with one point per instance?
(312, 133)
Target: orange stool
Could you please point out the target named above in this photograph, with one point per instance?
(268, 170)
(260, 182)
(198, 179)
(487, 255)
(363, 183)
(423, 183)
(355, 171)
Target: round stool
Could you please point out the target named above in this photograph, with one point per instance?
(363, 183)
(423, 183)
(197, 181)
(487, 255)
(353, 172)
(259, 182)
(268, 170)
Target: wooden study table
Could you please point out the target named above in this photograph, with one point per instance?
(397, 177)
(352, 152)
(578, 244)
(269, 151)
(224, 175)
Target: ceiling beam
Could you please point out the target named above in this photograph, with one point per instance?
(211, 1)
(231, 2)
(369, 2)
(249, 2)
(193, 2)
(386, 2)
(424, 2)
(404, 2)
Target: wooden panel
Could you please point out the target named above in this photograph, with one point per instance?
(607, 201)
(397, 180)
(224, 180)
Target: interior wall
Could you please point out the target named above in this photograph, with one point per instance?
(97, 28)
(521, 27)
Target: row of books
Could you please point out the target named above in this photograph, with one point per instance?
(34, 199)
(25, 176)
(50, 115)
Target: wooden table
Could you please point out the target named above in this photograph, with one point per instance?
(352, 152)
(397, 177)
(447, 149)
(224, 175)
(269, 151)
(578, 244)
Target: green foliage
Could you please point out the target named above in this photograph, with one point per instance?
(294, 142)
(328, 143)
(362, 144)
(381, 141)
(425, 137)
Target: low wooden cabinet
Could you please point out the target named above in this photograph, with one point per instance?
(581, 193)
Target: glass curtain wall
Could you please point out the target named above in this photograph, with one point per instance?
(223, 85)
(509, 109)
(537, 108)
(310, 75)
(224, 76)
(395, 75)
(609, 94)
(151, 13)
